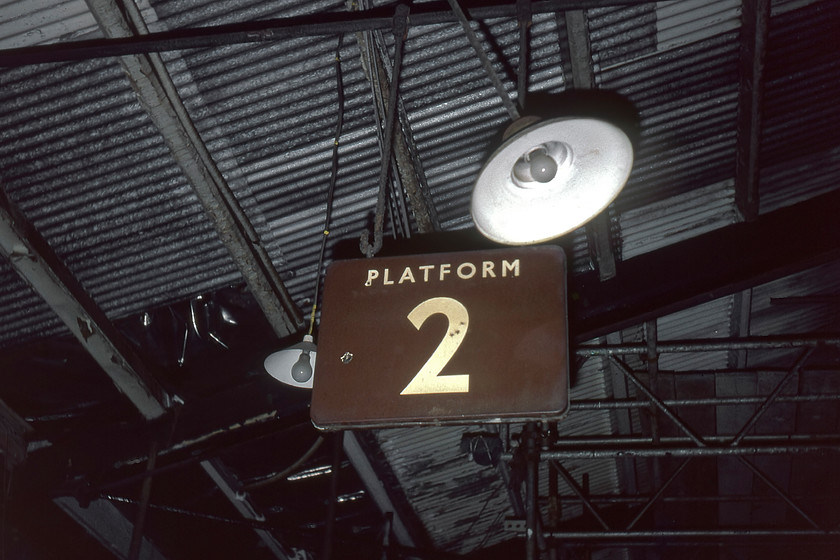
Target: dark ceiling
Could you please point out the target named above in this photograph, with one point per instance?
(167, 170)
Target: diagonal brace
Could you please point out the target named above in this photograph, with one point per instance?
(572, 483)
(653, 499)
(800, 362)
(666, 410)
(778, 490)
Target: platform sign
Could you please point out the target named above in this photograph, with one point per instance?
(443, 338)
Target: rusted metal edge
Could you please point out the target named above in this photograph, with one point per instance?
(36, 262)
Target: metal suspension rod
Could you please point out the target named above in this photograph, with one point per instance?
(523, 15)
(485, 61)
(400, 31)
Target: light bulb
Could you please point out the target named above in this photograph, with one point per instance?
(543, 166)
(302, 370)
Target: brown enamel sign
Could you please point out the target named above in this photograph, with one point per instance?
(443, 338)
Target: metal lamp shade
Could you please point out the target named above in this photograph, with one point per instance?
(516, 201)
(279, 364)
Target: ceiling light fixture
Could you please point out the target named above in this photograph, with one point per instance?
(295, 365)
(549, 178)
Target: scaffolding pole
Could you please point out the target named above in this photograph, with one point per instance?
(615, 451)
(708, 345)
(718, 534)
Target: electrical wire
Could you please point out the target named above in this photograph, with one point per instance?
(186, 512)
(480, 515)
(333, 178)
(288, 470)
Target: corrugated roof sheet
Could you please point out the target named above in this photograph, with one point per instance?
(621, 34)
(686, 99)
(778, 7)
(676, 219)
(799, 130)
(708, 321)
(25, 314)
(36, 22)
(429, 464)
(681, 22)
(83, 160)
(801, 303)
(86, 166)
(455, 114)
(280, 153)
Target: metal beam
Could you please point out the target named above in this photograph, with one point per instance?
(36, 262)
(126, 471)
(158, 95)
(376, 488)
(580, 52)
(230, 487)
(755, 19)
(13, 433)
(107, 525)
(706, 267)
(583, 77)
(271, 30)
(679, 276)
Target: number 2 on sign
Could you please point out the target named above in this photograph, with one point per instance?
(428, 380)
